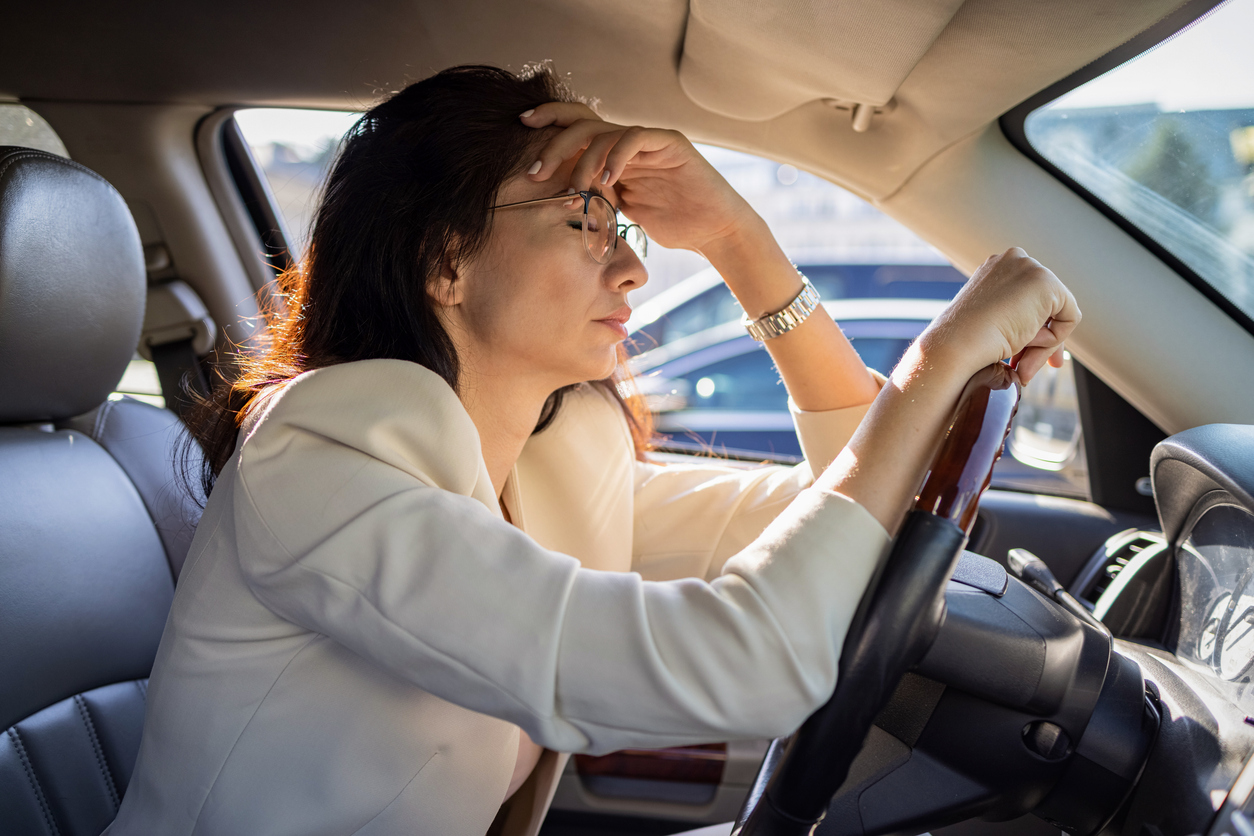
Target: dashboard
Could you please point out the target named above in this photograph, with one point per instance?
(1181, 604)
(1215, 563)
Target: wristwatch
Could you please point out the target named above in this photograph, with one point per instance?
(773, 325)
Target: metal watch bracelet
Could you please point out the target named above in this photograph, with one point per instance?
(777, 324)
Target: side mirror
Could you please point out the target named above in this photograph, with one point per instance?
(1046, 431)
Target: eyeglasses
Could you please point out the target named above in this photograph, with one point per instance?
(601, 229)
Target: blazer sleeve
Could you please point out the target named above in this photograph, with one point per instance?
(824, 434)
(690, 519)
(433, 587)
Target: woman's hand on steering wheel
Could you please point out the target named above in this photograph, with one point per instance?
(662, 182)
(1011, 307)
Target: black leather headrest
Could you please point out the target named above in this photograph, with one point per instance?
(72, 287)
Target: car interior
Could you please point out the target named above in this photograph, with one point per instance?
(1087, 664)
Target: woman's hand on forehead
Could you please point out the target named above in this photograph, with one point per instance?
(655, 176)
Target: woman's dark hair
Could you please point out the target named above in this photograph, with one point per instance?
(413, 183)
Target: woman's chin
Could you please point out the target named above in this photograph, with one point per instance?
(611, 364)
(600, 367)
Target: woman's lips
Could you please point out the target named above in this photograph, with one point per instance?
(619, 327)
(618, 321)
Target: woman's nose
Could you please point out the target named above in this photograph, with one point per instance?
(625, 271)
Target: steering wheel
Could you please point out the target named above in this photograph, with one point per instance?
(897, 619)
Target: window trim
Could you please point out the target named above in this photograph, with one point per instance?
(244, 202)
(230, 203)
(257, 197)
(1013, 122)
(1118, 441)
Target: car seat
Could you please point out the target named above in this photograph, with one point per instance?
(94, 524)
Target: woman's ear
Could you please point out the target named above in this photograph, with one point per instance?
(446, 289)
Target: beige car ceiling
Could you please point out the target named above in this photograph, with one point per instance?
(746, 73)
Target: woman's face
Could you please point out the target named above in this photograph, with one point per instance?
(533, 304)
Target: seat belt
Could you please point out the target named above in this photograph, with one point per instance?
(181, 373)
(177, 333)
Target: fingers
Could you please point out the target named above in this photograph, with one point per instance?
(1046, 347)
(632, 142)
(559, 114)
(1044, 338)
(588, 171)
(1031, 361)
(606, 148)
(1035, 313)
(1057, 305)
(571, 141)
(608, 155)
(1066, 315)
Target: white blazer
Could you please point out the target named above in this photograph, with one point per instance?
(358, 635)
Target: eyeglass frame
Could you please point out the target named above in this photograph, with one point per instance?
(621, 229)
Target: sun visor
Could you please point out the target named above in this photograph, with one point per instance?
(756, 59)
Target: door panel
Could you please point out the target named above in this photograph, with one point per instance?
(666, 784)
(685, 774)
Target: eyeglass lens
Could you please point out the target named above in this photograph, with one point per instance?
(601, 231)
(635, 238)
(600, 228)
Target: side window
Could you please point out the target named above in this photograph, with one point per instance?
(295, 149)
(712, 306)
(716, 305)
(846, 247)
(749, 381)
(880, 353)
(1166, 141)
(140, 381)
(746, 382)
(885, 280)
(19, 125)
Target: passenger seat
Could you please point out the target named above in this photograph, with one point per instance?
(94, 524)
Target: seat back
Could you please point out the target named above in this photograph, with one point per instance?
(93, 523)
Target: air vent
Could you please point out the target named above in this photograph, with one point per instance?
(1111, 559)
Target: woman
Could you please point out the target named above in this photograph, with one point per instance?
(414, 560)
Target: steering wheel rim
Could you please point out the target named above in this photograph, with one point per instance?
(902, 608)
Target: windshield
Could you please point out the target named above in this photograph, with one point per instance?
(1167, 141)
